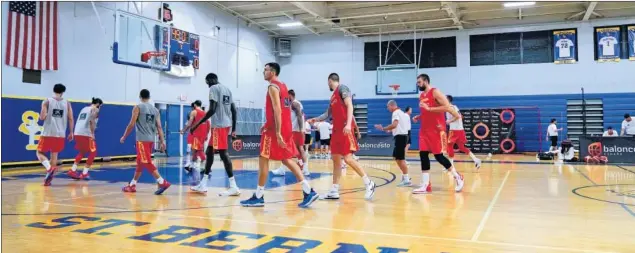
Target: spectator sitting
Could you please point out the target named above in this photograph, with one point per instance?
(610, 132)
(566, 152)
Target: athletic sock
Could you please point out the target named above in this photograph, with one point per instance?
(405, 177)
(133, 182)
(47, 165)
(160, 180)
(425, 179)
(473, 157)
(454, 173)
(260, 191)
(232, 182)
(74, 168)
(85, 170)
(366, 180)
(306, 187)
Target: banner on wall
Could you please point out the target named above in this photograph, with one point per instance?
(564, 46)
(614, 149)
(21, 130)
(246, 145)
(608, 44)
(631, 43)
(490, 130)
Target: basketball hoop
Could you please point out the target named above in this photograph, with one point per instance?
(394, 89)
(160, 59)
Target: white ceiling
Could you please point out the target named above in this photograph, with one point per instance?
(373, 18)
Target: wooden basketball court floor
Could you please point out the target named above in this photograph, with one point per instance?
(513, 204)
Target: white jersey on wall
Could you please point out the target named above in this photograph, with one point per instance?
(564, 46)
(608, 45)
(458, 124)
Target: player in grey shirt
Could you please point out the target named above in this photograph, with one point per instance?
(85, 138)
(57, 114)
(223, 113)
(147, 123)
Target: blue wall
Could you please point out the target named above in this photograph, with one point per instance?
(17, 147)
(533, 113)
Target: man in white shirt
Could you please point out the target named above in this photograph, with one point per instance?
(457, 135)
(628, 126)
(552, 135)
(399, 129)
(325, 138)
(610, 132)
(408, 112)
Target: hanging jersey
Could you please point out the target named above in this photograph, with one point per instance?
(608, 45)
(146, 125)
(57, 118)
(430, 120)
(564, 46)
(82, 125)
(458, 124)
(294, 117)
(285, 106)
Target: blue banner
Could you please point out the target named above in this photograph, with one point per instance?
(21, 130)
(631, 43)
(564, 46)
(608, 44)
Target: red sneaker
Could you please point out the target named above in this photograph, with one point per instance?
(130, 188)
(84, 176)
(49, 176)
(162, 187)
(73, 174)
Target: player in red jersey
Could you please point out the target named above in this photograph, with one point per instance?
(457, 135)
(198, 136)
(276, 142)
(432, 105)
(343, 142)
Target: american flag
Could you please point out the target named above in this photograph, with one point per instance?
(32, 35)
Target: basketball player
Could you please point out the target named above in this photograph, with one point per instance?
(223, 113)
(343, 141)
(552, 135)
(457, 135)
(57, 114)
(198, 137)
(408, 112)
(433, 104)
(276, 142)
(147, 123)
(399, 129)
(85, 138)
(297, 119)
(188, 151)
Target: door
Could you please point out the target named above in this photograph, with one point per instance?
(172, 134)
(186, 112)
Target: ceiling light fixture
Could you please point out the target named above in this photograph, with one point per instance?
(291, 24)
(518, 4)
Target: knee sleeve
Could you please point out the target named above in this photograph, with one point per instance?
(227, 163)
(425, 160)
(443, 160)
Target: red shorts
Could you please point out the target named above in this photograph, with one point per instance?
(298, 138)
(457, 136)
(432, 141)
(144, 151)
(85, 144)
(270, 149)
(343, 144)
(219, 138)
(50, 144)
(190, 138)
(198, 143)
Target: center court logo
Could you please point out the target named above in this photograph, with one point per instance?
(31, 128)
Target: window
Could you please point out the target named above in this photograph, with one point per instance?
(511, 48)
(622, 44)
(435, 53)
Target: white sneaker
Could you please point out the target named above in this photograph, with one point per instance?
(332, 194)
(477, 163)
(370, 191)
(279, 171)
(232, 191)
(404, 183)
(459, 183)
(199, 188)
(424, 189)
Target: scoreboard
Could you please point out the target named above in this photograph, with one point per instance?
(490, 130)
(184, 47)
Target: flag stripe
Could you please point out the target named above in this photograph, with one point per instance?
(31, 64)
(41, 16)
(17, 39)
(25, 40)
(55, 35)
(9, 33)
(48, 35)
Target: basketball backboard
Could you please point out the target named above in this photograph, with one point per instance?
(135, 36)
(389, 76)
